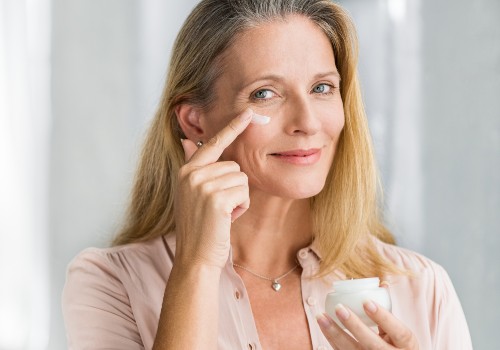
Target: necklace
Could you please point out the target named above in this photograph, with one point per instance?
(276, 285)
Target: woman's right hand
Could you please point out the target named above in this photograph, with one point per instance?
(210, 195)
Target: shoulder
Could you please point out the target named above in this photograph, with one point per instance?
(116, 293)
(423, 281)
(120, 269)
(406, 259)
(126, 258)
(425, 299)
(422, 276)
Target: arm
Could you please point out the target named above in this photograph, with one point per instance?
(96, 308)
(210, 195)
(189, 317)
(451, 330)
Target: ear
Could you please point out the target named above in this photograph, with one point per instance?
(188, 118)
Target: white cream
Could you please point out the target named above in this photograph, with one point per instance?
(260, 119)
(353, 293)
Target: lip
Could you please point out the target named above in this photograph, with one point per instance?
(299, 156)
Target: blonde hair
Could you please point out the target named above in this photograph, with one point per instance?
(345, 213)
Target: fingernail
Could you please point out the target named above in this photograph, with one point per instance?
(384, 284)
(323, 321)
(260, 119)
(370, 306)
(247, 114)
(342, 312)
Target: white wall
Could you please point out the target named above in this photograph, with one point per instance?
(461, 118)
(108, 61)
(24, 155)
(431, 78)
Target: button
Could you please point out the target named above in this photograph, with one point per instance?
(237, 294)
(311, 301)
(321, 347)
(303, 253)
(252, 346)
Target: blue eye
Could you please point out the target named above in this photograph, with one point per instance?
(322, 89)
(263, 94)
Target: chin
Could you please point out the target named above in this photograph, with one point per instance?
(302, 190)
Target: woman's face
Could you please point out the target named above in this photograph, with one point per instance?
(285, 70)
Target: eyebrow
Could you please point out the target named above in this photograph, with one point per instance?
(335, 73)
(280, 78)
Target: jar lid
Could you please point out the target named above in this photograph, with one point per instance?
(356, 284)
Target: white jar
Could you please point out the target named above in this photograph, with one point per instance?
(353, 293)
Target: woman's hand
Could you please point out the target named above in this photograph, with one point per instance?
(392, 333)
(210, 195)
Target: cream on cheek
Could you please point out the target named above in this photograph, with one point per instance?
(218, 124)
(260, 119)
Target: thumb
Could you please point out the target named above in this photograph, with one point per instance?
(189, 148)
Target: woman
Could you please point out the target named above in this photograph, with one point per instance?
(236, 229)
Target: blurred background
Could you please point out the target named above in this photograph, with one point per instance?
(81, 79)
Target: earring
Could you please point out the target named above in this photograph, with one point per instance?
(199, 144)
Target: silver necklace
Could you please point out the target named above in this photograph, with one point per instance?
(276, 285)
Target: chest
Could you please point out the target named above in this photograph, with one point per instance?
(280, 318)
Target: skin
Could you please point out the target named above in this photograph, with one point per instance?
(236, 192)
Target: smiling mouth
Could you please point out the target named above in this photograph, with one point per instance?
(297, 153)
(299, 157)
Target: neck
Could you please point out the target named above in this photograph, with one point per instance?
(267, 237)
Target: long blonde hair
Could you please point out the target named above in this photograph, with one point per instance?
(345, 213)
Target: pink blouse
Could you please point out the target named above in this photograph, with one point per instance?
(113, 297)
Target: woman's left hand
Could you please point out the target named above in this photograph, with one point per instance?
(392, 333)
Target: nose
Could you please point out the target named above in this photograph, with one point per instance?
(300, 117)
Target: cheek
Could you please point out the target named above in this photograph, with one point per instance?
(248, 147)
(250, 150)
(333, 123)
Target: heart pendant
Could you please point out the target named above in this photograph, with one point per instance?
(276, 286)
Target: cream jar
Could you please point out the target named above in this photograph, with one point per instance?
(353, 293)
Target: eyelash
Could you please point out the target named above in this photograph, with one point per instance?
(261, 99)
(332, 89)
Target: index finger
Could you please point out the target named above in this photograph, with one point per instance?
(212, 150)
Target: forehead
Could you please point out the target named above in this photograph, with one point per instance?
(293, 47)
